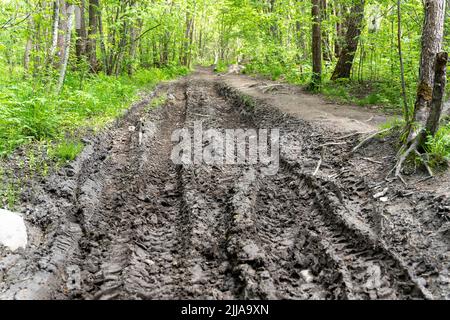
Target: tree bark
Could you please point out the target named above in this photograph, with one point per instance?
(62, 29)
(354, 25)
(437, 103)
(400, 56)
(339, 33)
(316, 45)
(28, 46)
(325, 40)
(55, 27)
(80, 27)
(67, 38)
(94, 23)
(432, 38)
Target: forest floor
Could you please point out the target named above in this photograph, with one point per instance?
(124, 222)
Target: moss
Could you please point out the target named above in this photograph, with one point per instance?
(425, 91)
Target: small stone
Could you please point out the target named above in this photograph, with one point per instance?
(307, 276)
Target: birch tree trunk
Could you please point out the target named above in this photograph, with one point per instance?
(67, 38)
(55, 27)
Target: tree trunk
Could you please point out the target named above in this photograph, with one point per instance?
(80, 27)
(67, 38)
(354, 26)
(325, 40)
(400, 56)
(316, 45)
(55, 27)
(134, 29)
(102, 45)
(28, 45)
(62, 28)
(94, 23)
(432, 37)
(440, 80)
(339, 33)
(187, 37)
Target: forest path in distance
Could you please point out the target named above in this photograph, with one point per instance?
(124, 222)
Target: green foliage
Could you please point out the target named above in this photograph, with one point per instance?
(438, 147)
(31, 112)
(66, 150)
(221, 67)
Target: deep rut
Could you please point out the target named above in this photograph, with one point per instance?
(146, 228)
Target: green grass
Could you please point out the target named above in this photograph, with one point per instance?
(157, 102)
(32, 111)
(66, 150)
(438, 147)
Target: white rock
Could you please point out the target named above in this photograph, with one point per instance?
(307, 276)
(13, 232)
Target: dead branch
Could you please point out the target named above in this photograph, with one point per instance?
(371, 160)
(320, 161)
(333, 144)
(370, 137)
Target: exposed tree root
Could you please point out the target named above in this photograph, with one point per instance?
(424, 161)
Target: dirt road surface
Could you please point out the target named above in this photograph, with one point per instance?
(124, 222)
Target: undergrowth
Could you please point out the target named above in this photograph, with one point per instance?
(47, 127)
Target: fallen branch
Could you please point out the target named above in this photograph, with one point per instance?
(320, 162)
(350, 135)
(272, 87)
(371, 160)
(332, 144)
(369, 138)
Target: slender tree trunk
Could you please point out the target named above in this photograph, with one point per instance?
(440, 80)
(400, 56)
(187, 37)
(102, 45)
(339, 33)
(432, 38)
(55, 27)
(28, 45)
(133, 43)
(316, 45)
(94, 24)
(325, 40)
(62, 28)
(67, 38)
(354, 26)
(80, 27)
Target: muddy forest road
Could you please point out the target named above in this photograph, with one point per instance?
(124, 222)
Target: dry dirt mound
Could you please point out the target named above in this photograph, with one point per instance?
(125, 222)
